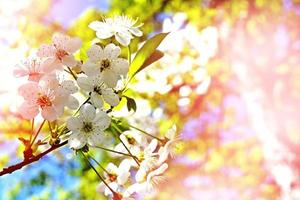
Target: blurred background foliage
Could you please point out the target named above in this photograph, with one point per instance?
(229, 81)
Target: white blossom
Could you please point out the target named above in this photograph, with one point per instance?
(169, 147)
(99, 92)
(115, 177)
(88, 127)
(121, 27)
(133, 140)
(107, 63)
(147, 185)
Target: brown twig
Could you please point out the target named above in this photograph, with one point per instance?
(20, 165)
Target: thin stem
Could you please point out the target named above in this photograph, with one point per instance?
(37, 133)
(49, 125)
(87, 100)
(32, 129)
(98, 164)
(100, 177)
(53, 134)
(134, 158)
(110, 150)
(144, 132)
(129, 55)
(72, 73)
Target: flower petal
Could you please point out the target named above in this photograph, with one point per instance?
(29, 91)
(110, 97)
(60, 41)
(46, 51)
(136, 31)
(120, 66)
(95, 53)
(111, 168)
(111, 51)
(102, 120)
(72, 103)
(90, 68)
(96, 100)
(140, 175)
(73, 44)
(110, 78)
(77, 140)
(85, 83)
(69, 87)
(157, 172)
(152, 146)
(49, 113)
(74, 124)
(123, 38)
(123, 177)
(51, 64)
(69, 61)
(125, 165)
(28, 111)
(87, 112)
(103, 31)
(95, 139)
(19, 71)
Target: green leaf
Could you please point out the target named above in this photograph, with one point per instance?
(131, 105)
(147, 50)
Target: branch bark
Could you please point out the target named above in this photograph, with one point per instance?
(20, 165)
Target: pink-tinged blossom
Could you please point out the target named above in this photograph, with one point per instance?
(60, 52)
(31, 68)
(49, 97)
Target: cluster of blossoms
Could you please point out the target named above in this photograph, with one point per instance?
(56, 81)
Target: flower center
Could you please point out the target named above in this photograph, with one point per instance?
(87, 127)
(112, 177)
(44, 101)
(141, 156)
(97, 89)
(60, 53)
(130, 140)
(105, 63)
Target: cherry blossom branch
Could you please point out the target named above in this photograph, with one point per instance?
(26, 162)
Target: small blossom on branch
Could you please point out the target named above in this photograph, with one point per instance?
(60, 52)
(121, 27)
(100, 93)
(107, 63)
(32, 68)
(88, 127)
